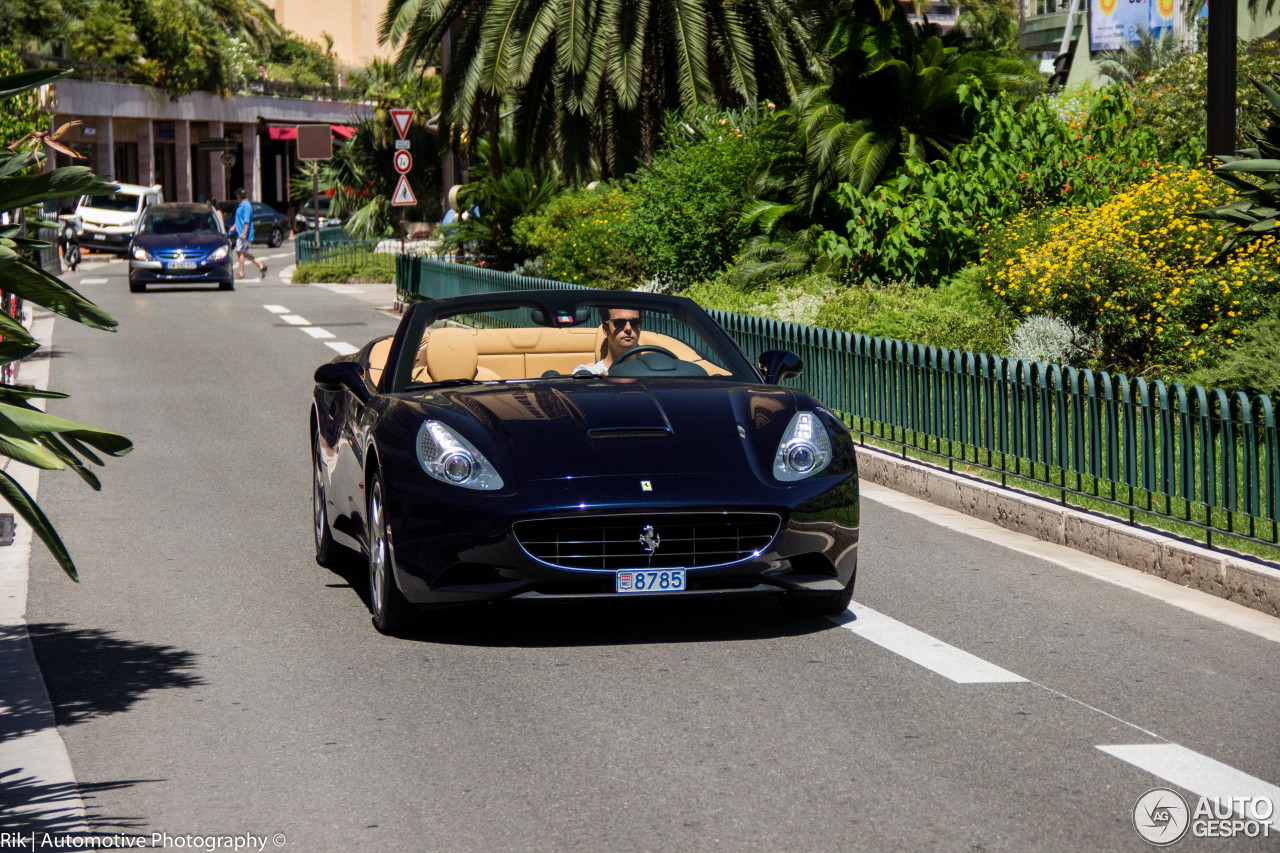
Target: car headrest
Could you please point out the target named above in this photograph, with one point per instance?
(451, 354)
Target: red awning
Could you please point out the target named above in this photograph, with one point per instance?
(288, 132)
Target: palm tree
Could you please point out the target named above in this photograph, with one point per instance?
(891, 91)
(1152, 51)
(592, 78)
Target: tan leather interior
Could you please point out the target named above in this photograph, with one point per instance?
(455, 352)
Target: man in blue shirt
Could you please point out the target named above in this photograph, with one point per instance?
(244, 232)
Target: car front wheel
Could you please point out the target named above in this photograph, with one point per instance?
(391, 612)
(277, 237)
(820, 603)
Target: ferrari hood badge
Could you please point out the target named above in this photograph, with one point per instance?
(650, 539)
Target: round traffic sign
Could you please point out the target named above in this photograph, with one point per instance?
(403, 162)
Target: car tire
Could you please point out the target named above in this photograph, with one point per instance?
(328, 552)
(226, 285)
(392, 613)
(136, 286)
(820, 603)
(277, 237)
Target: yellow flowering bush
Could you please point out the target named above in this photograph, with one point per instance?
(1133, 271)
(579, 238)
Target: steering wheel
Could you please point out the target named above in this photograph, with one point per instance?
(635, 351)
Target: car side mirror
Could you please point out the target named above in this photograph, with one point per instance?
(339, 375)
(779, 364)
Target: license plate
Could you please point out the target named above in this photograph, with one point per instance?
(99, 236)
(650, 580)
(180, 265)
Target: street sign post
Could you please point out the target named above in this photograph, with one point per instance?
(315, 142)
(403, 161)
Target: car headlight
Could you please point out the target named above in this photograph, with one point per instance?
(805, 449)
(450, 458)
(218, 253)
(141, 254)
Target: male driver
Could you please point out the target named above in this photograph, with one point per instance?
(621, 333)
(244, 233)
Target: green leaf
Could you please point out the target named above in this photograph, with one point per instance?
(35, 285)
(30, 512)
(26, 392)
(24, 190)
(18, 445)
(16, 84)
(32, 420)
(58, 449)
(14, 350)
(14, 163)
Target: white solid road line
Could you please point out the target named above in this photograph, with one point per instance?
(295, 320)
(93, 281)
(341, 347)
(1199, 774)
(1192, 600)
(920, 648)
(276, 309)
(317, 332)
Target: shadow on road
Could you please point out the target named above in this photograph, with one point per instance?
(29, 805)
(91, 673)
(594, 622)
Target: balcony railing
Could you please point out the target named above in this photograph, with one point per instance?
(109, 72)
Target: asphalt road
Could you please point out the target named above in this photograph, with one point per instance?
(209, 677)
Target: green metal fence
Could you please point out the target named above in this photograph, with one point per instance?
(334, 245)
(1204, 457)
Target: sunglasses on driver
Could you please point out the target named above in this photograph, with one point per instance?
(620, 323)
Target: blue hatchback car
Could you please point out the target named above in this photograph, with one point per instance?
(180, 243)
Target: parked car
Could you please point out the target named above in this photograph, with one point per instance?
(107, 222)
(270, 226)
(180, 243)
(478, 464)
(306, 218)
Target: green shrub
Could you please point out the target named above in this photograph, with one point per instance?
(686, 206)
(578, 236)
(1169, 104)
(960, 314)
(1134, 272)
(923, 225)
(376, 270)
(1252, 366)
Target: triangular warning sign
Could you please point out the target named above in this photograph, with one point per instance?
(401, 119)
(403, 196)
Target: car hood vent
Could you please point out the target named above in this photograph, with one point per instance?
(629, 432)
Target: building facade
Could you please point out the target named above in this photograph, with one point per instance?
(199, 146)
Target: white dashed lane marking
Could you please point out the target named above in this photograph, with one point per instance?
(1199, 774)
(93, 281)
(340, 347)
(918, 647)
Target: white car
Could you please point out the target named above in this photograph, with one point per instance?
(108, 221)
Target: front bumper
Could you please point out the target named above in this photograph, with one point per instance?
(154, 272)
(464, 549)
(105, 240)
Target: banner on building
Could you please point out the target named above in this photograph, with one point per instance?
(1115, 23)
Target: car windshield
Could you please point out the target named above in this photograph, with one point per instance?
(524, 343)
(180, 222)
(113, 201)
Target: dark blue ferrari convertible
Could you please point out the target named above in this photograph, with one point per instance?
(578, 444)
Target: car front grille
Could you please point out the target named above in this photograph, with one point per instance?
(176, 255)
(684, 540)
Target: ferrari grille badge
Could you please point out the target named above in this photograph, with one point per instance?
(650, 539)
(646, 486)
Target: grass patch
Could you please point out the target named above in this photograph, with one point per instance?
(372, 269)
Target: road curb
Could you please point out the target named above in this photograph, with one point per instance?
(40, 791)
(1252, 583)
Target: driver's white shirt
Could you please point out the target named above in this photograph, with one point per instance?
(599, 368)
